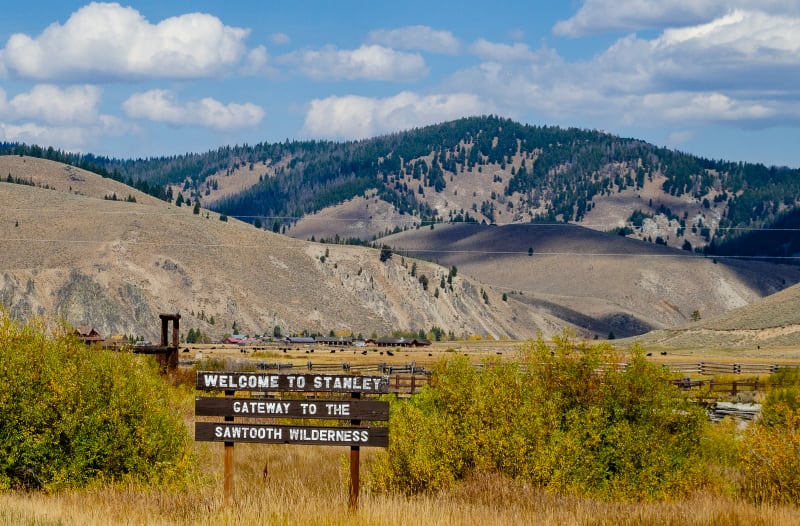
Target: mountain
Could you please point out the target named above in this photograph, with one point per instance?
(548, 227)
(70, 252)
(478, 169)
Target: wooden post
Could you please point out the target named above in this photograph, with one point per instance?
(172, 361)
(164, 323)
(227, 476)
(168, 359)
(355, 453)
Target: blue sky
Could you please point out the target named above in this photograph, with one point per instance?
(716, 78)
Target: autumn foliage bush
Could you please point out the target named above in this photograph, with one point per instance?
(771, 446)
(558, 418)
(71, 415)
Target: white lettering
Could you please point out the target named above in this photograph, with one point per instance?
(338, 409)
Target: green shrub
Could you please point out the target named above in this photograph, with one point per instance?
(556, 418)
(71, 415)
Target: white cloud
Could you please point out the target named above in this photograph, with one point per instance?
(68, 118)
(354, 117)
(162, 106)
(700, 107)
(423, 38)
(750, 34)
(53, 105)
(501, 52)
(68, 138)
(600, 16)
(365, 63)
(108, 41)
(739, 69)
(257, 62)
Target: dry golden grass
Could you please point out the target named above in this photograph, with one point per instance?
(307, 485)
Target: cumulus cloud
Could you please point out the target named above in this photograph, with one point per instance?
(739, 69)
(601, 16)
(743, 50)
(108, 41)
(422, 38)
(71, 138)
(162, 106)
(65, 117)
(53, 105)
(699, 107)
(354, 117)
(368, 62)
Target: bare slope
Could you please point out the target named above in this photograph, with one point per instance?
(116, 265)
(597, 281)
(770, 322)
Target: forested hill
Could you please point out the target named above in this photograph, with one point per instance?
(484, 169)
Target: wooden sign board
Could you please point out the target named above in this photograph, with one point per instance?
(301, 435)
(267, 382)
(355, 410)
(271, 408)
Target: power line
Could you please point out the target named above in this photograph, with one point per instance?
(399, 250)
(411, 221)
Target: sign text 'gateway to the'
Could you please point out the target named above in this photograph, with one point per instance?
(263, 408)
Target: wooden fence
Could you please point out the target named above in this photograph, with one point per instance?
(714, 388)
(712, 368)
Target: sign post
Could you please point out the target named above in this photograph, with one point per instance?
(355, 454)
(227, 471)
(354, 409)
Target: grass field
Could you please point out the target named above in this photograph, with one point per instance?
(307, 485)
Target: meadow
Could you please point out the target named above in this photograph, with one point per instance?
(307, 485)
(286, 484)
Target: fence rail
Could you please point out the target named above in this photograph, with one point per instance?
(714, 388)
(711, 368)
(408, 384)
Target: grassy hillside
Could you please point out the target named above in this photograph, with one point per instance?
(769, 323)
(601, 282)
(117, 265)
